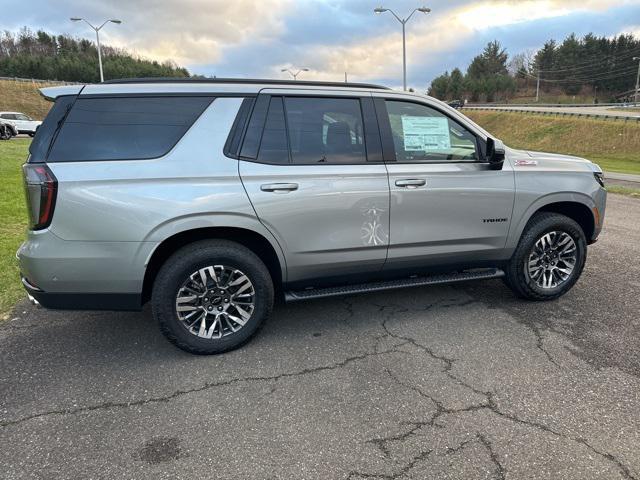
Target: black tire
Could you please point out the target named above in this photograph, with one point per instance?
(517, 278)
(5, 133)
(32, 134)
(177, 269)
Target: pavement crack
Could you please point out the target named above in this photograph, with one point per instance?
(540, 426)
(500, 470)
(448, 362)
(490, 404)
(383, 442)
(459, 448)
(354, 474)
(206, 386)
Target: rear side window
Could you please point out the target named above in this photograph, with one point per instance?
(44, 135)
(125, 128)
(273, 147)
(325, 130)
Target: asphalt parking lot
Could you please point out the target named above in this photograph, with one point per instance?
(451, 382)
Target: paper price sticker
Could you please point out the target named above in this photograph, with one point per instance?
(426, 134)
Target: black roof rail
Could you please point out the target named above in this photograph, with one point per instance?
(268, 81)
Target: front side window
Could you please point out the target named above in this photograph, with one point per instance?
(423, 134)
(124, 128)
(22, 116)
(325, 130)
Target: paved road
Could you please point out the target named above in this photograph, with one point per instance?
(594, 110)
(624, 179)
(460, 382)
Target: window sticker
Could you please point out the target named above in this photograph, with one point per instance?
(425, 134)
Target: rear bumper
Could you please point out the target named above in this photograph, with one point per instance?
(83, 301)
(78, 275)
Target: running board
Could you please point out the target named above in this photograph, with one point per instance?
(310, 293)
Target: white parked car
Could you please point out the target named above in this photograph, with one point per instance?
(22, 123)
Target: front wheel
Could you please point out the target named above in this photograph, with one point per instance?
(549, 258)
(211, 296)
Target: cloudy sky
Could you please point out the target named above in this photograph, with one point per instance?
(246, 38)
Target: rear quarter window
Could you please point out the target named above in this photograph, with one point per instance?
(41, 143)
(125, 128)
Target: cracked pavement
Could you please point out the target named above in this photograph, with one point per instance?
(451, 382)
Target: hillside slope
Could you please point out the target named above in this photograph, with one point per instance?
(23, 97)
(612, 144)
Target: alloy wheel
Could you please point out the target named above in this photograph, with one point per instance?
(215, 301)
(552, 259)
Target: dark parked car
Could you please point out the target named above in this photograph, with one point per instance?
(457, 104)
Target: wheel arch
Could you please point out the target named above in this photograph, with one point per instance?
(251, 239)
(579, 207)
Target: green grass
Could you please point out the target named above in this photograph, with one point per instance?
(612, 144)
(13, 220)
(632, 192)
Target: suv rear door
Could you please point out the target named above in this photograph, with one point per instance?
(311, 163)
(447, 205)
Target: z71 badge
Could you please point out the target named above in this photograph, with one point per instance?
(526, 163)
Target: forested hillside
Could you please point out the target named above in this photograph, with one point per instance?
(589, 67)
(62, 57)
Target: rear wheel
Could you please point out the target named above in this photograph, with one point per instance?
(549, 258)
(212, 296)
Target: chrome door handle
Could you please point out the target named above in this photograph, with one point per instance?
(411, 182)
(279, 187)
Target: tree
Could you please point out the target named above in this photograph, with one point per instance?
(440, 86)
(492, 61)
(456, 84)
(45, 56)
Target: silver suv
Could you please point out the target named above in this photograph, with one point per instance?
(210, 199)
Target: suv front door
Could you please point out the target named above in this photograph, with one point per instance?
(447, 205)
(316, 179)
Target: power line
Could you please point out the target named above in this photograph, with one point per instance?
(613, 74)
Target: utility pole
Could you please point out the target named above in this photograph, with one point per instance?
(403, 21)
(538, 88)
(345, 77)
(97, 30)
(637, 59)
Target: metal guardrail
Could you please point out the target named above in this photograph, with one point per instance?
(555, 105)
(37, 80)
(555, 114)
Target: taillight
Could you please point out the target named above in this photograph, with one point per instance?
(40, 187)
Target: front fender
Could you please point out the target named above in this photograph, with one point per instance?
(528, 210)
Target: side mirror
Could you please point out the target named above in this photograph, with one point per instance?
(495, 153)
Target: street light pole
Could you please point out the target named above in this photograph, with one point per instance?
(97, 30)
(403, 22)
(295, 75)
(637, 59)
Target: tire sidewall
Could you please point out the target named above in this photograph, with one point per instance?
(181, 265)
